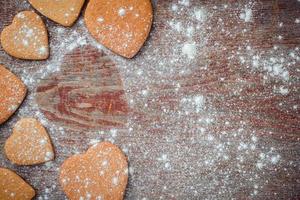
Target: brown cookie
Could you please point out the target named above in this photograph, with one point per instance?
(100, 173)
(29, 143)
(64, 12)
(13, 187)
(12, 93)
(26, 38)
(122, 26)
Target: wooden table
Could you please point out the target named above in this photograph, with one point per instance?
(209, 109)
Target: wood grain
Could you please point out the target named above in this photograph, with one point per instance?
(214, 127)
(87, 93)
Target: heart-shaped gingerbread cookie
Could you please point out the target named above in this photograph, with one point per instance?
(100, 173)
(122, 26)
(64, 12)
(12, 93)
(29, 143)
(26, 38)
(13, 186)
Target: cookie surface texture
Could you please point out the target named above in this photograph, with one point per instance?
(13, 187)
(26, 37)
(12, 93)
(64, 12)
(29, 143)
(100, 173)
(120, 25)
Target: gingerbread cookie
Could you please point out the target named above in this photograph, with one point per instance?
(26, 38)
(122, 26)
(12, 93)
(13, 186)
(29, 143)
(100, 173)
(64, 12)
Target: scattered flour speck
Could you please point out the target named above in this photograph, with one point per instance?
(246, 15)
(190, 50)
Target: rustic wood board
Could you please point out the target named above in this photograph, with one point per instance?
(209, 109)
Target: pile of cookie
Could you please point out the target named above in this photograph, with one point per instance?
(102, 172)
